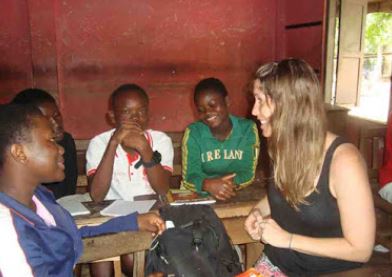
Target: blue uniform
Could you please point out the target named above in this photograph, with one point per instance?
(29, 247)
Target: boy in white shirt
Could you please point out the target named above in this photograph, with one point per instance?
(129, 160)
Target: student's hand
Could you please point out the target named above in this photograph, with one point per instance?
(222, 188)
(151, 222)
(272, 233)
(135, 138)
(120, 133)
(252, 224)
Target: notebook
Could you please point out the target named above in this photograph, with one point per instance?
(122, 207)
(186, 197)
(73, 203)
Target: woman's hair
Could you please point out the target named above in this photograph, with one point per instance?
(209, 84)
(298, 123)
(16, 121)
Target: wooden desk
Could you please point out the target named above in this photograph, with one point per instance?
(232, 213)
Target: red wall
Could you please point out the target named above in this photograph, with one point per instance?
(82, 50)
(301, 29)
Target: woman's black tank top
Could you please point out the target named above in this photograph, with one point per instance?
(319, 218)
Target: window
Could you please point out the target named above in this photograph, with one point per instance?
(359, 57)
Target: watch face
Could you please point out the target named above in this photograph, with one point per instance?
(157, 157)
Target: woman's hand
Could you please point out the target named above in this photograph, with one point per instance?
(151, 222)
(252, 224)
(272, 233)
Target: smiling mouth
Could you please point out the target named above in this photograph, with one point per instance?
(211, 118)
(61, 163)
(262, 122)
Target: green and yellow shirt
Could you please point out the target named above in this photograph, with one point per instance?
(203, 156)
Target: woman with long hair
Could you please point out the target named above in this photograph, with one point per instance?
(317, 215)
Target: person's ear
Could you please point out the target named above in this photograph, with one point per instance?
(111, 118)
(18, 153)
(227, 101)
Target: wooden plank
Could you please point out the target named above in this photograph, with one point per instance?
(234, 209)
(138, 263)
(235, 229)
(101, 247)
(253, 252)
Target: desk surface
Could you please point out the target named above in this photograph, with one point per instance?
(106, 246)
(238, 206)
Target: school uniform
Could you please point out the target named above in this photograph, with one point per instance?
(204, 156)
(128, 181)
(46, 242)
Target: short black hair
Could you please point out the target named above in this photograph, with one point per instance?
(212, 84)
(15, 124)
(33, 96)
(126, 88)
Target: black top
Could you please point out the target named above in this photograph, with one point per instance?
(319, 218)
(68, 185)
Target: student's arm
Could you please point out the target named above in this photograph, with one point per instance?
(349, 184)
(114, 225)
(192, 174)
(145, 222)
(100, 161)
(15, 258)
(245, 173)
(157, 175)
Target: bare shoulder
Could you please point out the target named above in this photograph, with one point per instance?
(345, 155)
(348, 169)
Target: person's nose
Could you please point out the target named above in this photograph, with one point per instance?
(134, 116)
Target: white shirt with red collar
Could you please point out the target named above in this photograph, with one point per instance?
(127, 181)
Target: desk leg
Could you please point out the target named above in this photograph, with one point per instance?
(117, 267)
(253, 252)
(138, 263)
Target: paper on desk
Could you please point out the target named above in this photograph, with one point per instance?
(198, 201)
(73, 203)
(122, 207)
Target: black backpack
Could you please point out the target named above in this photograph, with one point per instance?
(198, 245)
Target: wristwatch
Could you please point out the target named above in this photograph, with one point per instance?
(156, 159)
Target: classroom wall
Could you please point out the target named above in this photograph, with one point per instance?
(301, 27)
(82, 50)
